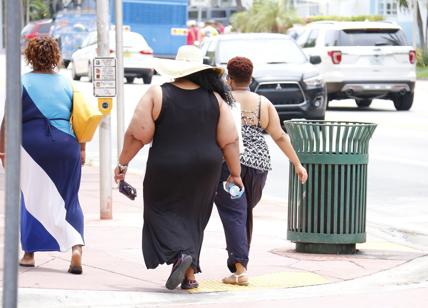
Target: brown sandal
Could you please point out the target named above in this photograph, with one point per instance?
(76, 265)
(240, 280)
(27, 255)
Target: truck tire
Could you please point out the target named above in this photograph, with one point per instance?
(130, 79)
(363, 103)
(147, 78)
(403, 102)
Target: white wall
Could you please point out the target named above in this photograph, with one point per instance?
(344, 7)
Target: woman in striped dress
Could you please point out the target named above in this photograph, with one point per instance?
(51, 160)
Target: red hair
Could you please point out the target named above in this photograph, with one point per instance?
(43, 53)
(240, 69)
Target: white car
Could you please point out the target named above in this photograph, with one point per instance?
(137, 57)
(363, 61)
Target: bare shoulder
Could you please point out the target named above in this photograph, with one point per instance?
(154, 94)
(266, 108)
(154, 90)
(265, 105)
(265, 101)
(220, 100)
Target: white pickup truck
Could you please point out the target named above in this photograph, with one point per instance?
(363, 61)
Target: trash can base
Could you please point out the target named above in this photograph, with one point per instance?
(340, 249)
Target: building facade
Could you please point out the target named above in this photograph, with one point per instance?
(389, 9)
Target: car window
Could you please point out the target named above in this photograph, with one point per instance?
(45, 28)
(211, 46)
(312, 39)
(331, 37)
(371, 37)
(204, 45)
(281, 50)
(301, 40)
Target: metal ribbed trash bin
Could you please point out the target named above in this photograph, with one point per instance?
(328, 213)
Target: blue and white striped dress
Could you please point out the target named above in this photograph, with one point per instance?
(51, 217)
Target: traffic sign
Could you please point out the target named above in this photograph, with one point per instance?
(104, 76)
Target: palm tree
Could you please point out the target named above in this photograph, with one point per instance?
(264, 16)
(35, 10)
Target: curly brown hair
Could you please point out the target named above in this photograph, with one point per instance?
(240, 69)
(43, 53)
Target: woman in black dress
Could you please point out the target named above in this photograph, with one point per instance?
(191, 129)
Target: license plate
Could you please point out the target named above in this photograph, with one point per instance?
(127, 54)
(376, 60)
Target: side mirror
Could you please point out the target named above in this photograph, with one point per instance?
(315, 59)
(207, 61)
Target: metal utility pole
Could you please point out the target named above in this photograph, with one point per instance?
(1, 24)
(119, 76)
(106, 174)
(415, 23)
(13, 121)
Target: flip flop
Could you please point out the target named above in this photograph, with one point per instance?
(77, 270)
(26, 265)
(187, 284)
(178, 272)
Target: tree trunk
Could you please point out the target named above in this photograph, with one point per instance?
(422, 40)
(27, 12)
(239, 5)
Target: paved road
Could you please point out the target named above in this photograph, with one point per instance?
(398, 168)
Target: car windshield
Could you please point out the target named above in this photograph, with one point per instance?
(371, 37)
(45, 28)
(277, 50)
(27, 29)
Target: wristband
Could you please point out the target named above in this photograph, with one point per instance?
(122, 168)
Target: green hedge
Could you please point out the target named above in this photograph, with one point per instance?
(343, 18)
(278, 16)
(422, 72)
(421, 57)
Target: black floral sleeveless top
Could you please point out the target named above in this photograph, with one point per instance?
(256, 152)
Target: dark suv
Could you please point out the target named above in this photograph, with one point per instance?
(282, 72)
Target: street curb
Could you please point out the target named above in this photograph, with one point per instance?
(399, 278)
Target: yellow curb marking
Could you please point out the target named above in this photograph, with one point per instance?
(268, 281)
(381, 245)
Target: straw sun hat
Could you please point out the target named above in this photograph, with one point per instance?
(189, 60)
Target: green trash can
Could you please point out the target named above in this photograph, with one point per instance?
(328, 213)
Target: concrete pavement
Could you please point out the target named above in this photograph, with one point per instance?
(115, 275)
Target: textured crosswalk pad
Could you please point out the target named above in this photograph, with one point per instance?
(268, 281)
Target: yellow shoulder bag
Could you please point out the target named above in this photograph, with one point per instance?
(85, 118)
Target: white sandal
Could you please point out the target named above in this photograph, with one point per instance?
(240, 280)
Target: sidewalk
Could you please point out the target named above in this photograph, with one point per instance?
(113, 262)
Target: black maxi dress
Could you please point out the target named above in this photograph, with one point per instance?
(182, 173)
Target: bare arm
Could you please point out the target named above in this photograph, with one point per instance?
(275, 130)
(141, 128)
(83, 153)
(227, 139)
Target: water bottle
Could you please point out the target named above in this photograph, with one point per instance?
(235, 191)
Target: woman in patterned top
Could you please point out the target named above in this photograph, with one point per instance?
(258, 115)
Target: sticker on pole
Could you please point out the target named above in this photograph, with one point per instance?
(104, 76)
